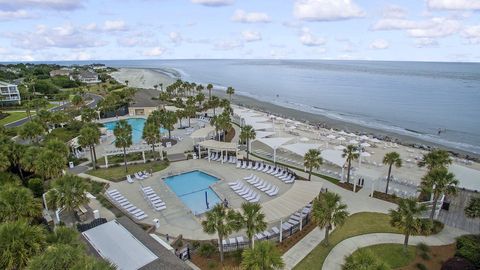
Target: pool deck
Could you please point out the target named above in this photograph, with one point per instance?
(177, 218)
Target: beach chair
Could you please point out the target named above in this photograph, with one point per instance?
(275, 230)
(238, 187)
(260, 183)
(274, 192)
(129, 179)
(267, 187)
(255, 167)
(251, 176)
(250, 165)
(244, 192)
(255, 199)
(244, 164)
(233, 183)
(239, 164)
(260, 167)
(249, 195)
(292, 179)
(259, 236)
(267, 167)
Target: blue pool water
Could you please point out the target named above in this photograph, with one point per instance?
(191, 187)
(137, 128)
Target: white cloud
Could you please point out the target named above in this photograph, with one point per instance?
(155, 51)
(128, 41)
(226, 45)
(78, 56)
(472, 33)
(14, 15)
(113, 26)
(250, 36)
(175, 37)
(213, 3)
(379, 44)
(326, 10)
(90, 27)
(397, 24)
(43, 4)
(425, 42)
(393, 11)
(438, 27)
(308, 39)
(454, 4)
(250, 17)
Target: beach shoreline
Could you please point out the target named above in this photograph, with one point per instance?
(137, 80)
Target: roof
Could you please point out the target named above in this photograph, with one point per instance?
(128, 246)
(212, 144)
(274, 143)
(300, 148)
(85, 74)
(143, 98)
(203, 132)
(469, 178)
(263, 134)
(334, 157)
(2, 83)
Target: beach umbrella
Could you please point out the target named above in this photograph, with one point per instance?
(375, 140)
(339, 147)
(365, 154)
(342, 133)
(341, 139)
(353, 141)
(304, 139)
(331, 136)
(351, 134)
(363, 137)
(365, 144)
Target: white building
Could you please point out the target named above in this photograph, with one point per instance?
(9, 93)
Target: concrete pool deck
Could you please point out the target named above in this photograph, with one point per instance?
(177, 218)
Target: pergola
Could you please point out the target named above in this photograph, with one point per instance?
(274, 143)
(217, 146)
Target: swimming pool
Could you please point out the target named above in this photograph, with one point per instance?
(190, 187)
(137, 128)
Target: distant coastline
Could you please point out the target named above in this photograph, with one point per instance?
(153, 76)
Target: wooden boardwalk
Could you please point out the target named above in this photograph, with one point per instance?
(455, 216)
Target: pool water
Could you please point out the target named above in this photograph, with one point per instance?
(137, 128)
(191, 187)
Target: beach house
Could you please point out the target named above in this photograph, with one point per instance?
(9, 93)
(88, 77)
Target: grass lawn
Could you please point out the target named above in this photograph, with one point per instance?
(392, 254)
(62, 134)
(118, 159)
(356, 224)
(13, 116)
(117, 174)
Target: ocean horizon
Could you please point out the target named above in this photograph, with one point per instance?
(414, 99)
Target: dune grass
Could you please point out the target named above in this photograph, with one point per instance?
(356, 224)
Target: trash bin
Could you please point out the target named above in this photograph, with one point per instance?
(70, 165)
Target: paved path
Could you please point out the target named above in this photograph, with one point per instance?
(294, 255)
(337, 255)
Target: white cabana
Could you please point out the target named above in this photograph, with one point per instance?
(334, 157)
(375, 140)
(300, 148)
(341, 139)
(331, 136)
(351, 134)
(339, 147)
(342, 133)
(363, 137)
(363, 154)
(274, 143)
(250, 120)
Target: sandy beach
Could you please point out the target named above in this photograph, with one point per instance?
(146, 78)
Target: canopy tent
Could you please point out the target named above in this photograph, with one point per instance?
(263, 134)
(261, 126)
(469, 178)
(351, 134)
(363, 137)
(365, 144)
(331, 136)
(304, 139)
(250, 120)
(375, 140)
(202, 133)
(300, 148)
(245, 113)
(274, 143)
(334, 157)
(353, 142)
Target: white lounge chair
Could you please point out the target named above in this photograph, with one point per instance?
(249, 177)
(129, 179)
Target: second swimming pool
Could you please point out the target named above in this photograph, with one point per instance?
(191, 188)
(137, 128)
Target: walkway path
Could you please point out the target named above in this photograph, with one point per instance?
(337, 255)
(301, 249)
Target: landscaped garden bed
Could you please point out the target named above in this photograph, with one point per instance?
(117, 173)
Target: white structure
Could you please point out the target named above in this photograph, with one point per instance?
(88, 77)
(9, 93)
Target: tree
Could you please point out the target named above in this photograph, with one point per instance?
(57, 146)
(435, 158)
(168, 122)
(126, 83)
(222, 221)
(473, 208)
(407, 218)
(225, 123)
(77, 101)
(265, 256)
(214, 103)
(230, 91)
(31, 131)
(351, 154)
(247, 133)
(68, 192)
(364, 260)
(200, 98)
(253, 219)
(151, 134)
(19, 242)
(123, 138)
(390, 159)
(328, 211)
(27, 160)
(312, 159)
(439, 181)
(88, 114)
(49, 164)
(65, 235)
(18, 203)
(209, 88)
(89, 137)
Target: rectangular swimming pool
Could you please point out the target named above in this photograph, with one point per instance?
(191, 187)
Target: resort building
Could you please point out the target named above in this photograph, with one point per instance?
(60, 72)
(88, 77)
(143, 104)
(9, 93)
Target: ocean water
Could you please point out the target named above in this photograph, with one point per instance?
(409, 98)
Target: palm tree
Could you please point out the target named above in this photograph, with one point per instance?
(168, 122)
(473, 208)
(89, 137)
(77, 101)
(265, 256)
(209, 88)
(312, 159)
(328, 211)
(190, 111)
(225, 123)
(351, 154)
(200, 98)
(27, 160)
(123, 138)
(435, 158)
(31, 131)
(230, 92)
(439, 181)
(18, 203)
(57, 146)
(214, 103)
(49, 164)
(253, 219)
(407, 218)
(222, 221)
(65, 235)
(247, 134)
(215, 122)
(390, 159)
(88, 114)
(68, 192)
(19, 242)
(364, 259)
(151, 134)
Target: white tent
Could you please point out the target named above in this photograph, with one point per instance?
(339, 147)
(263, 134)
(342, 133)
(468, 177)
(365, 144)
(341, 139)
(300, 148)
(363, 137)
(274, 143)
(351, 134)
(304, 139)
(375, 140)
(261, 126)
(334, 157)
(353, 141)
(331, 136)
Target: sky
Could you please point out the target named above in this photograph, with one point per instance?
(403, 30)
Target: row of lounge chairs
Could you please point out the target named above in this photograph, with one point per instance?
(233, 241)
(245, 192)
(278, 172)
(226, 159)
(204, 119)
(152, 198)
(262, 185)
(138, 176)
(121, 201)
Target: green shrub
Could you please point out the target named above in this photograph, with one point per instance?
(423, 247)
(421, 266)
(206, 250)
(36, 186)
(425, 256)
(195, 244)
(468, 247)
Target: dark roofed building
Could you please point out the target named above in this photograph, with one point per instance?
(143, 104)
